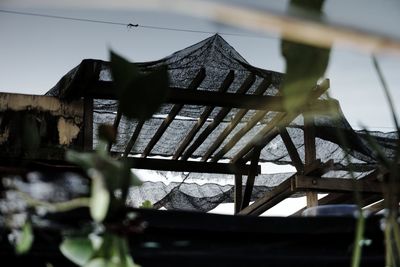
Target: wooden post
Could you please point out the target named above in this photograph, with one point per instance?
(238, 192)
(88, 123)
(251, 177)
(310, 155)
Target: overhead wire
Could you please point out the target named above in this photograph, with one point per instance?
(131, 25)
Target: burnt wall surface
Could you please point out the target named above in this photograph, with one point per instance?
(38, 127)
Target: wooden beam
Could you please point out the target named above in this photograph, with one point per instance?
(301, 183)
(250, 179)
(235, 121)
(218, 119)
(292, 151)
(348, 197)
(317, 184)
(176, 95)
(133, 138)
(238, 196)
(203, 117)
(172, 114)
(270, 199)
(88, 124)
(190, 166)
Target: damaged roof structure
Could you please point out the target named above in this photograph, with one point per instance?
(221, 109)
(221, 120)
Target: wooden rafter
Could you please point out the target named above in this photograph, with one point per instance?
(235, 121)
(291, 148)
(203, 117)
(242, 132)
(218, 119)
(265, 135)
(133, 138)
(172, 114)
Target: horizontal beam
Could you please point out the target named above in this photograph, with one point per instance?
(300, 183)
(103, 90)
(309, 183)
(189, 166)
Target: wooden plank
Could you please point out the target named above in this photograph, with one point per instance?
(235, 121)
(203, 117)
(250, 179)
(172, 114)
(270, 199)
(133, 138)
(291, 148)
(238, 194)
(191, 166)
(218, 118)
(317, 184)
(88, 124)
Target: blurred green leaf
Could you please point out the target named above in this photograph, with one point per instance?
(84, 160)
(305, 64)
(78, 250)
(97, 262)
(140, 94)
(146, 204)
(25, 240)
(100, 197)
(114, 251)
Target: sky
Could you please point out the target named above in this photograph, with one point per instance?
(35, 52)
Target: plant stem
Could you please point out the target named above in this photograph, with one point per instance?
(358, 241)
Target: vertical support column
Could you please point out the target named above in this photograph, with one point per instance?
(88, 123)
(238, 192)
(310, 155)
(251, 177)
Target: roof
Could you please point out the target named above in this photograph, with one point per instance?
(219, 107)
